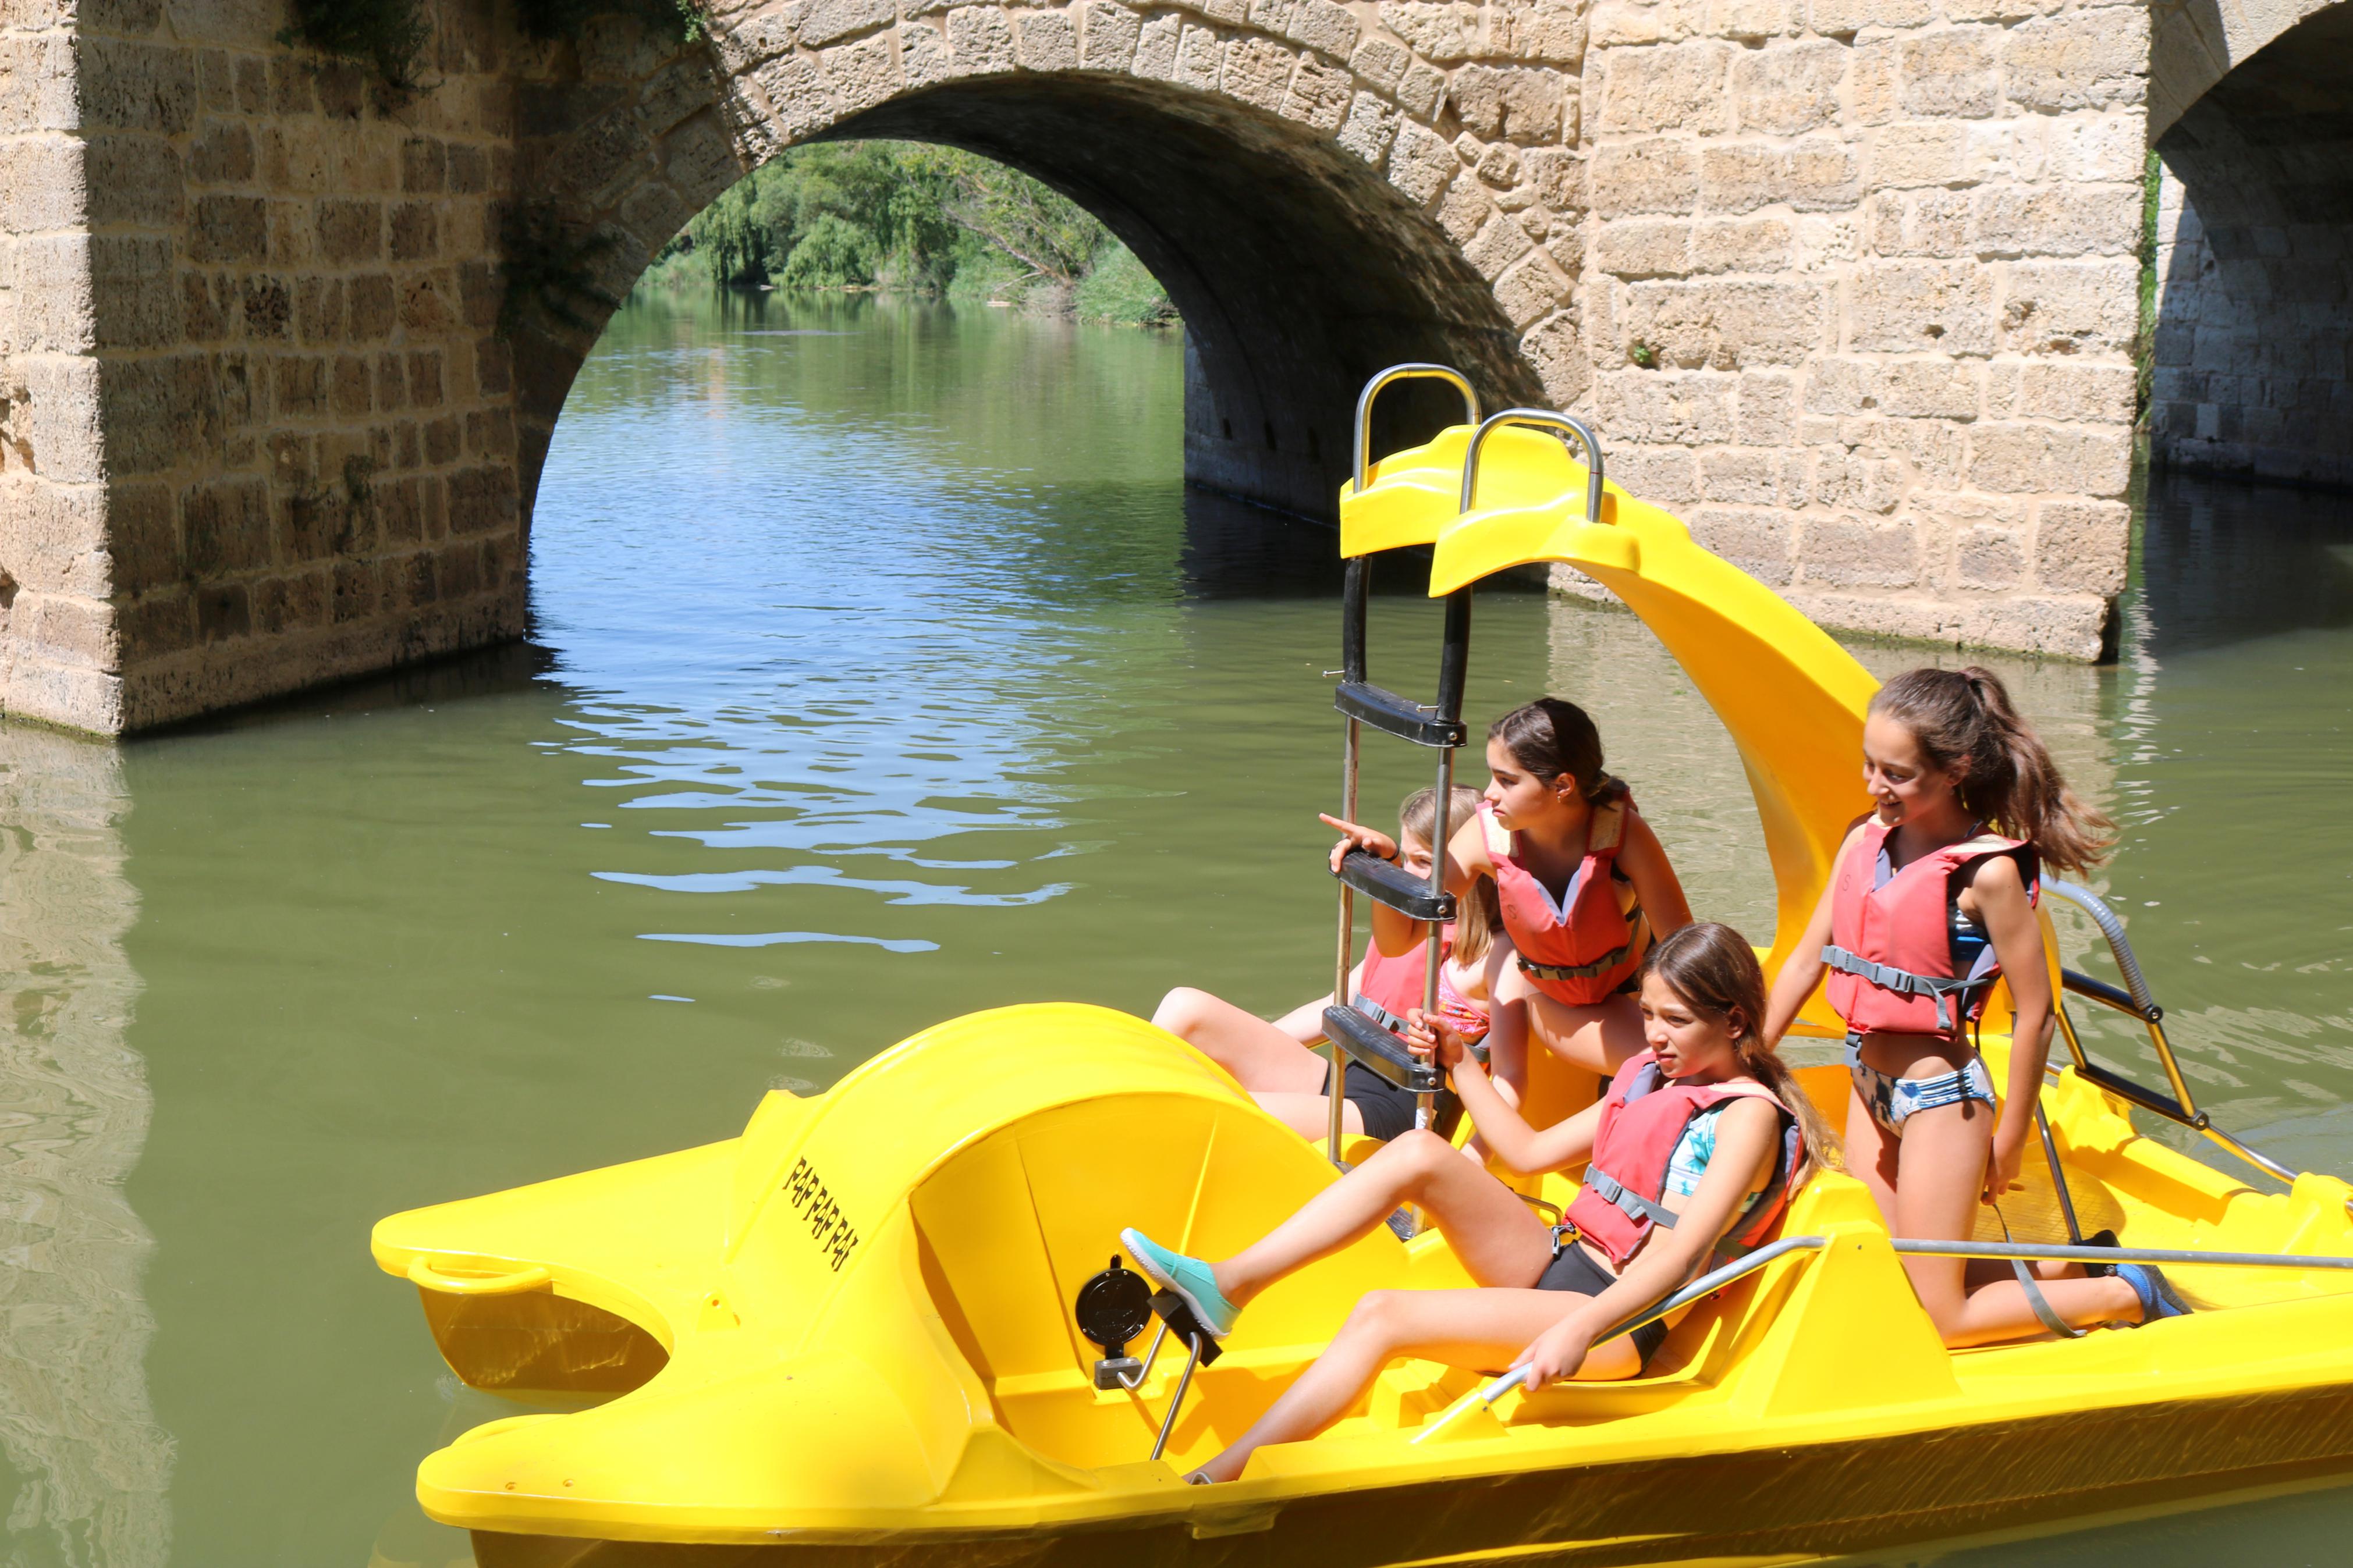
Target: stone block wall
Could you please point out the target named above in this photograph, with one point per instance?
(55, 632)
(2254, 347)
(1849, 284)
(1860, 292)
(260, 430)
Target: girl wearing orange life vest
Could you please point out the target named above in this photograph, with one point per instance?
(1274, 1061)
(1585, 887)
(1931, 899)
(1702, 1138)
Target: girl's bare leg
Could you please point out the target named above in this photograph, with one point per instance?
(1870, 1152)
(1599, 1037)
(1304, 1023)
(1940, 1173)
(1263, 1059)
(1483, 1330)
(1499, 1238)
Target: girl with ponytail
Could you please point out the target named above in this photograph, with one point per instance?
(1930, 900)
(1583, 885)
(1702, 1124)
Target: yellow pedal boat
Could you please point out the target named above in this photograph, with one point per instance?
(850, 1333)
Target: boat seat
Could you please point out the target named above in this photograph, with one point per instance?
(1010, 1228)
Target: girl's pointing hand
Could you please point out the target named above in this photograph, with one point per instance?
(1371, 840)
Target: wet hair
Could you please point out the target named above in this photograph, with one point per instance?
(1479, 917)
(1715, 970)
(1553, 736)
(1965, 723)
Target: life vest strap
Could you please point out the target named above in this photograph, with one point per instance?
(1636, 934)
(1943, 989)
(1632, 1204)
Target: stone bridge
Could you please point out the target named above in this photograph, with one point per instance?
(1853, 285)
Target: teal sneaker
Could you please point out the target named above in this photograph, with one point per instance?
(1189, 1278)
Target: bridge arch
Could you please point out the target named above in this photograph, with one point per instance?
(1310, 224)
(1851, 284)
(2251, 115)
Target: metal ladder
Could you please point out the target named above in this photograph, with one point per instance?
(1354, 1034)
(2139, 1002)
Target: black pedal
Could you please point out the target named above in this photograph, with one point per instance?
(1181, 1323)
(1112, 1308)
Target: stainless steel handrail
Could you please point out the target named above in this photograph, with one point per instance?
(1708, 1284)
(1539, 419)
(1705, 1285)
(2036, 1252)
(2138, 1002)
(1395, 373)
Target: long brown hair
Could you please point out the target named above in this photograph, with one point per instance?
(1479, 914)
(1553, 736)
(1715, 970)
(1964, 722)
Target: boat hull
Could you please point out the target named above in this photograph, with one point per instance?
(1786, 1505)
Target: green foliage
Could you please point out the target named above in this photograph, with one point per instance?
(1048, 234)
(1121, 291)
(386, 35)
(546, 269)
(913, 218)
(834, 253)
(984, 277)
(1643, 357)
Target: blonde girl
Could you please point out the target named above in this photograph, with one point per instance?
(1274, 1061)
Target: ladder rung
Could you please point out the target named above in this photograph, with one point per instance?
(1380, 1051)
(2100, 990)
(1385, 882)
(2123, 1088)
(1399, 716)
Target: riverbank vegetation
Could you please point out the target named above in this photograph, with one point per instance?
(911, 219)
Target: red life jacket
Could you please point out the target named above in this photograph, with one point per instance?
(1592, 942)
(1391, 987)
(1891, 952)
(1642, 1119)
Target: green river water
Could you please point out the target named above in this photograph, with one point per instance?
(881, 671)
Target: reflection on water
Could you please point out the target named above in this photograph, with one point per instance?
(883, 670)
(79, 1448)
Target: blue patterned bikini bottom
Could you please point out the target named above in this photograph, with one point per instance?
(1893, 1100)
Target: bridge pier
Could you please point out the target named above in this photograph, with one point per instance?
(1849, 285)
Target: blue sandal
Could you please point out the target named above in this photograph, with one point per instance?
(2157, 1297)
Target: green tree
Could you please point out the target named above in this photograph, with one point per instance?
(1048, 235)
(915, 218)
